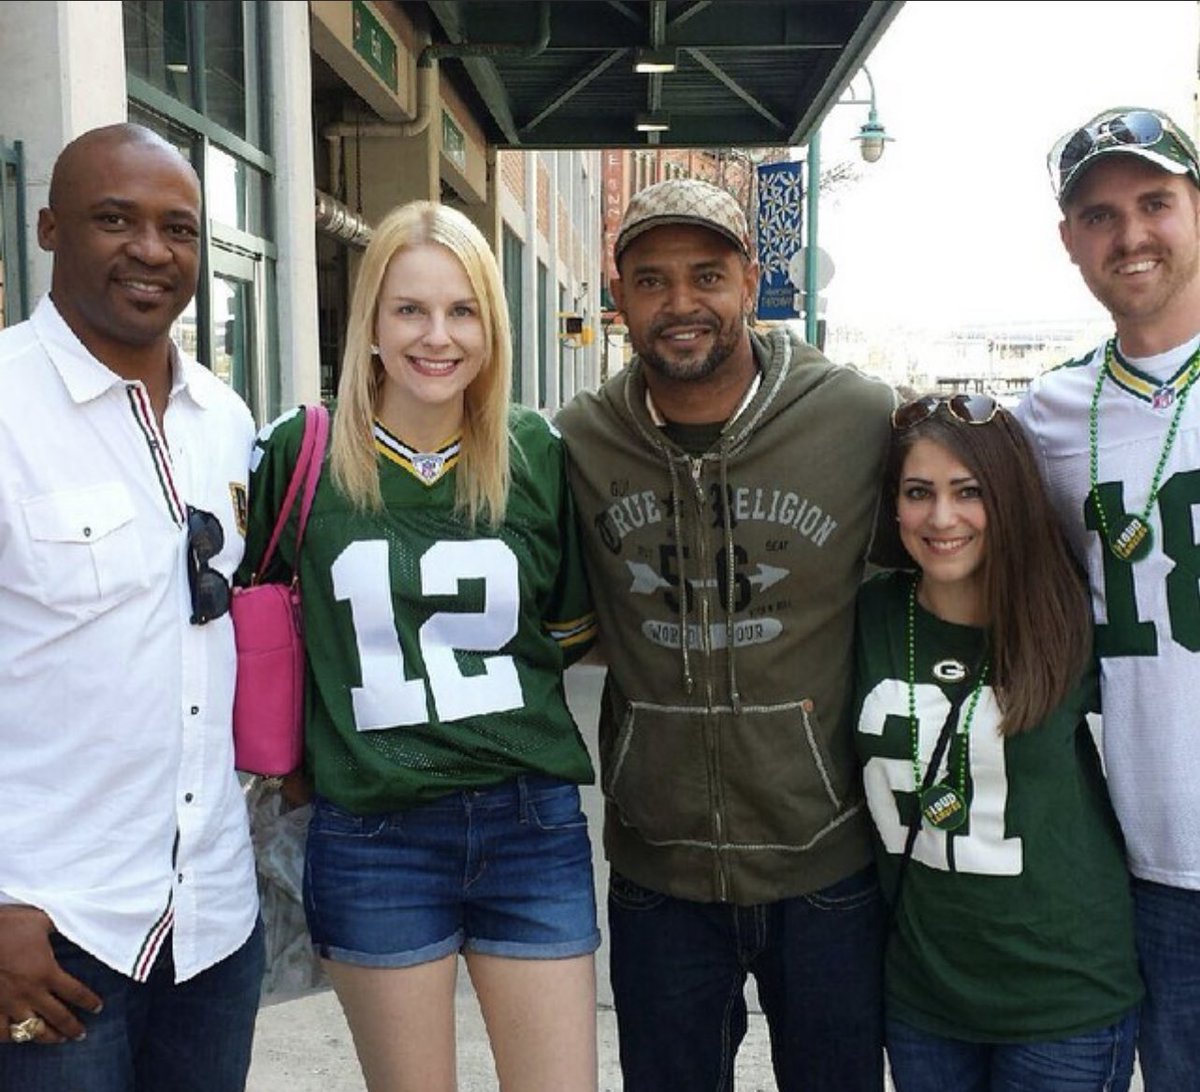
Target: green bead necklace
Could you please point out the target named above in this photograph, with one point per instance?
(944, 806)
(1130, 540)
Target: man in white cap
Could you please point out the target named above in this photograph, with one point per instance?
(727, 484)
(1119, 440)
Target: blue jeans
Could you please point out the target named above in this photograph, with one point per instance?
(679, 972)
(1096, 1061)
(504, 871)
(1167, 927)
(152, 1036)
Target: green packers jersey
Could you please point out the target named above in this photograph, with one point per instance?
(1016, 926)
(435, 648)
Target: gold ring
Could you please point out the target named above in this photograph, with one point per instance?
(27, 1030)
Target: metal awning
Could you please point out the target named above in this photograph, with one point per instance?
(560, 73)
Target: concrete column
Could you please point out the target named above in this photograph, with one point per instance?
(529, 305)
(62, 70)
(395, 170)
(552, 349)
(588, 371)
(295, 199)
(487, 216)
(386, 171)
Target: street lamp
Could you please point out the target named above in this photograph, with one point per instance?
(872, 134)
(871, 138)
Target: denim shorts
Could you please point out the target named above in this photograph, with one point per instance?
(503, 871)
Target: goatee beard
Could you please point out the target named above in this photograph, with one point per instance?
(726, 340)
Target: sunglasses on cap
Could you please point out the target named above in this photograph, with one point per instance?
(210, 589)
(1129, 129)
(970, 409)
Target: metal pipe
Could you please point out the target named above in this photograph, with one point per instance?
(342, 222)
(432, 53)
(337, 131)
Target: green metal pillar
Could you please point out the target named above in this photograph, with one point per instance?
(813, 194)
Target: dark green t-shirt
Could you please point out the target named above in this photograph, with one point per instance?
(1018, 925)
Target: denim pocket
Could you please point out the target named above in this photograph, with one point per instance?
(632, 896)
(328, 818)
(854, 892)
(556, 808)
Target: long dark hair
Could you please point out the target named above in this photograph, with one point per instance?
(1039, 623)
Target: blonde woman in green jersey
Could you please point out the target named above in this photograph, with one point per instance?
(443, 597)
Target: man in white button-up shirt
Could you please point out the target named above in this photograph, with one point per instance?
(130, 949)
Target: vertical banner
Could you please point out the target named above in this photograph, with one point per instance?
(612, 205)
(780, 193)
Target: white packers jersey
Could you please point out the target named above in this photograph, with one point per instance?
(1147, 611)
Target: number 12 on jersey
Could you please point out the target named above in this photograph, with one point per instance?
(388, 698)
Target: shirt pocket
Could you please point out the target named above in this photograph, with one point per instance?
(86, 552)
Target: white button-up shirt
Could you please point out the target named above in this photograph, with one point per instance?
(121, 815)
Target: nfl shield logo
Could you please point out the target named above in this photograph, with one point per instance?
(1163, 397)
(428, 466)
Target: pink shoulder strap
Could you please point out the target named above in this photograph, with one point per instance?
(306, 473)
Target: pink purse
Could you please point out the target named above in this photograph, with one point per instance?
(268, 628)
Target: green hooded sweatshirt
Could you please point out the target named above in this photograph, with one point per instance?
(727, 760)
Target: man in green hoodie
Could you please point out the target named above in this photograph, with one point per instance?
(727, 486)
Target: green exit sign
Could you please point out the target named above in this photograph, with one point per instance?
(375, 45)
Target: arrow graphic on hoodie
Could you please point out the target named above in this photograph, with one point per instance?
(646, 581)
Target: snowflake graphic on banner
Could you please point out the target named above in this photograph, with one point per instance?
(779, 194)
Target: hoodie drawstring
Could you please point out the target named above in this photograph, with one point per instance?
(735, 699)
(681, 584)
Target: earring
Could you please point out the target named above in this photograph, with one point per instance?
(374, 350)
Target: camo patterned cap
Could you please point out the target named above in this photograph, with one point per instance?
(1122, 130)
(683, 201)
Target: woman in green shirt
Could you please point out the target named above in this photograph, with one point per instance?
(1011, 962)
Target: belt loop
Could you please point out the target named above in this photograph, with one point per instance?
(522, 798)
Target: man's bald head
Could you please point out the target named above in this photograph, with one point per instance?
(75, 160)
(124, 224)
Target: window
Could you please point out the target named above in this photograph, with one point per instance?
(195, 74)
(205, 54)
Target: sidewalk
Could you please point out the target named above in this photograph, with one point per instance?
(305, 1046)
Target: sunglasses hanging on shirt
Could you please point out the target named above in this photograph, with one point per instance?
(209, 588)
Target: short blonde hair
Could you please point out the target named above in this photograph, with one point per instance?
(483, 466)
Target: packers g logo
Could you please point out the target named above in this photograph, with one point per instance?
(949, 671)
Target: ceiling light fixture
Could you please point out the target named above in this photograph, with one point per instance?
(654, 60)
(656, 121)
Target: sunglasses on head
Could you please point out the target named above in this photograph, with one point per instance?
(1132, 128)
(970, 409)
(210, 589)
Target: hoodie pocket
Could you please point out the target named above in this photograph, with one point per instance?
(658, 776)
(786, 781)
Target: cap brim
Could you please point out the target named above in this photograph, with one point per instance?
(1163, 162)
